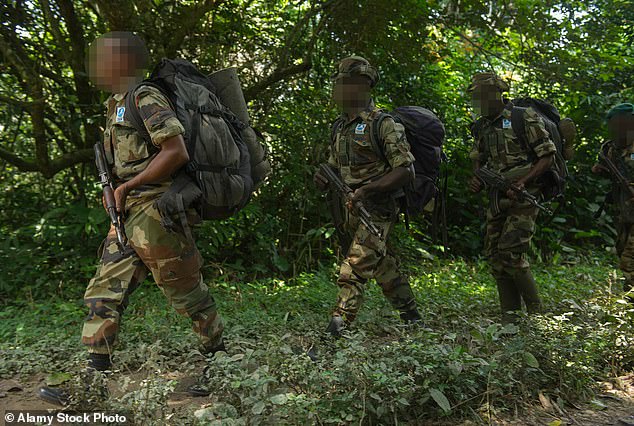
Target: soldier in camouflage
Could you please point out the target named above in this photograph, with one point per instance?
(376, 179)
(509, 232)
(142, 172)
(620, 151)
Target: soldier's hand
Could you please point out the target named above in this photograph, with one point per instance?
(357, 196)
(320, 181)
(120, 196)
(475, 184)
(511, 194)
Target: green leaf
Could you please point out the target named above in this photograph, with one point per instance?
(530, 359)
(598, 405)
(258, 408)
(440, 399)
(279, 399)
(56, 379)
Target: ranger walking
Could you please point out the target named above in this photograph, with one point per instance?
(376, 179)
(142, 172)
(616, 159)
(511, 227)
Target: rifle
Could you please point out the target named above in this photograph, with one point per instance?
(346, 192)
(497, 184)
(622, 180)
(105, 179)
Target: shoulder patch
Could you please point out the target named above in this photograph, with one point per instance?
(120, 114)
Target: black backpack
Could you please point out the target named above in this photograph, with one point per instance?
(218, 180)
(553, 181)
(425, 134)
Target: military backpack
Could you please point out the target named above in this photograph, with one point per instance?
(425, 134)
(222, 173)
(561, 131)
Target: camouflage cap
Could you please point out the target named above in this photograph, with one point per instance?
(488, 79)
(620, 109)
(356, 65)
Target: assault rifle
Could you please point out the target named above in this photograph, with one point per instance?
(105, 179)
(496, 184)
(346, 192)
(614, 170)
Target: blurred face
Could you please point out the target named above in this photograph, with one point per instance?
(351, 92)
(621, 129)
(111, 67)
(487, 100)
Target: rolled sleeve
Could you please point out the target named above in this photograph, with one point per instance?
(397, 149)
(157, 115)
(537, 136)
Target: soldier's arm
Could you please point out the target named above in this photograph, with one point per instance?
(476, 154)
(166, 133)
(397, 152)
(541, 144)
(172, 156)
(543, 164)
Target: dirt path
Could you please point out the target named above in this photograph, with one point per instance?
(614, 403)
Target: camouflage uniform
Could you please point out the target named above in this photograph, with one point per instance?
(353, 155)
(509, 233)
(624, 160)
(171, 257)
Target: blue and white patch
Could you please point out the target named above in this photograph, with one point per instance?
(506, 123)
(120, 112)
(632, 156)
(360, 129)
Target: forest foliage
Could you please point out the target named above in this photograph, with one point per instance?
(578, 54)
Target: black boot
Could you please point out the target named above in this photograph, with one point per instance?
(336, 326)
(411, 316)
(510, 299)
(527, 287)
(201, 388)
(91, 386)
(212, 350)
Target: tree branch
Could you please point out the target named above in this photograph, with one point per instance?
(56, 165)
(275, 77)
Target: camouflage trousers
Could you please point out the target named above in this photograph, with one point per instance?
(368, 257)
(174, 262)
(507, 242)
(625, 250)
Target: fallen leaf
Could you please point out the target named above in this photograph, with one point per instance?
(545, 401)
(56, 379)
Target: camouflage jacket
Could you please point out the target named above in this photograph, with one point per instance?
(498, 147)
(352, 152)
(127, 152)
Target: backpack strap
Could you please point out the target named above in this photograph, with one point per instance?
(375, 134)
(519, 128)
(336, 126)
(132, 109)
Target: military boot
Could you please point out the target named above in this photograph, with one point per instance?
(411, 316)
(91, 381)
(527, 287)
(201, 388)
(336, 326)
(510, 299)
